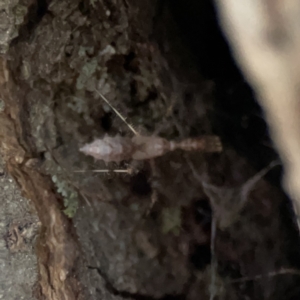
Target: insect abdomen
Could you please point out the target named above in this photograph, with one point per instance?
(147, 147)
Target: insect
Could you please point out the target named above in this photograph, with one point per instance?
(139, 147)
(118, 148)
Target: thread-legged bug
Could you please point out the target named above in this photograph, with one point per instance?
(116, 149)
(139, 147)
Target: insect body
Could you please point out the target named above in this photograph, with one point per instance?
(139, 147)
(116, 149)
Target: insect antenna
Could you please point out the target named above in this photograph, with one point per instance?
(118, 114)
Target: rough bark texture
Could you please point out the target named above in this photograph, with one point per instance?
(101, 237)
(18, 234)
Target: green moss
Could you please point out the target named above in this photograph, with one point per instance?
(20, 12)
(69, 195)
(84, 50)
(171, 220)
(79, 106)
(86, 73)
(93, 3)
(2, 105)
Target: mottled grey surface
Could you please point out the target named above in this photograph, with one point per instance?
(18, 263)
(12, 13)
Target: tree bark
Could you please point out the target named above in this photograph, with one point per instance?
(174, 228)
